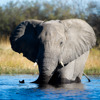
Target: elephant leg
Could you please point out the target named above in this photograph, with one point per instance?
(70, 73)
(80, 65)
(63, 75)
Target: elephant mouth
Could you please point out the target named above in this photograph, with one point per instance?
(59, 65)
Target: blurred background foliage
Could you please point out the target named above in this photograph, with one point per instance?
(16, 11)
(13, 13)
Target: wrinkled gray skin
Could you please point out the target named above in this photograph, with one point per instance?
(53, 43)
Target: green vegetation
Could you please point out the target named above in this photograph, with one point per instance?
(14, 63)
(93, 63)
(12, 14)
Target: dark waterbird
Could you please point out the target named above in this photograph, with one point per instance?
(21, 81)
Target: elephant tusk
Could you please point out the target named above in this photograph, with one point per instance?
(62, 64)
(35, 64)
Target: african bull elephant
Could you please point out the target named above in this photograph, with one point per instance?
(60, 47)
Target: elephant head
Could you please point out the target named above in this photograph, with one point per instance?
(52, 43)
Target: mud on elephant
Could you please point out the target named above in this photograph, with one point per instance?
(60, 47)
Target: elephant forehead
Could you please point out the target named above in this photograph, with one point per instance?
(52, 32)
(53, 28)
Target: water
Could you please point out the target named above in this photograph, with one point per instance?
(11, 89)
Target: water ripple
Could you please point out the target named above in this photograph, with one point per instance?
(10, 88)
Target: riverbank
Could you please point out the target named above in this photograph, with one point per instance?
(92, 66)
(14, 63)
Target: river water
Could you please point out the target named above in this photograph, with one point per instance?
(11, 89)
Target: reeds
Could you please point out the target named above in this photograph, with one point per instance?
(14, 63)
(93, 63)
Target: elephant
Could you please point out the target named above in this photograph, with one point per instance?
(59, 47)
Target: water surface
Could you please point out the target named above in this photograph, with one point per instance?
(10, 88)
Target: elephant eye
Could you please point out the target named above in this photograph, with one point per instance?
(61, 43)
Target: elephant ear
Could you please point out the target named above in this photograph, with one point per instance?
(23, 39)
(80, 38)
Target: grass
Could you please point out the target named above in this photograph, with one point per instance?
(92, 66)
(14, 63)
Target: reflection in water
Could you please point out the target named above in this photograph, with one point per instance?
(10, 88)
(72, 86)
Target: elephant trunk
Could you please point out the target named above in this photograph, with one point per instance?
(47, 65)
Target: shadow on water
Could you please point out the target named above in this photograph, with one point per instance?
(10, 88)
(72, 86)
